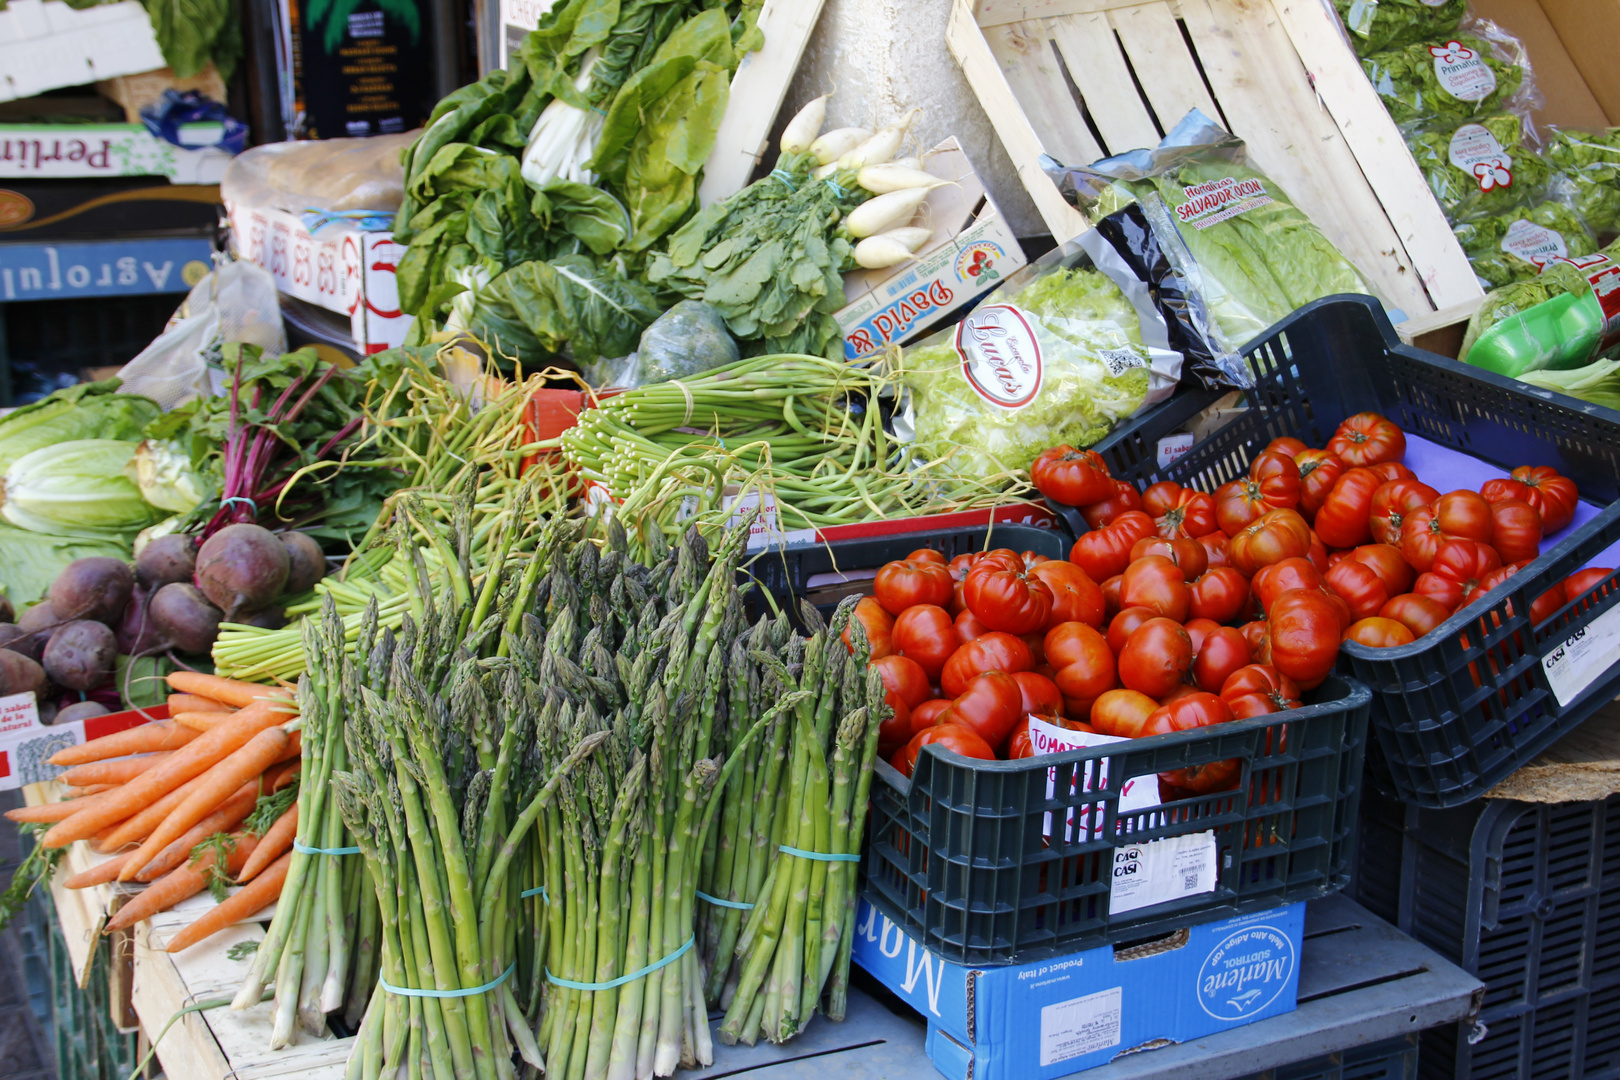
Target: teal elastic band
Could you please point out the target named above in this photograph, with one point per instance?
(820, 856)
(241, 499)
(622, 979)
(407, 992)
(837, 188)
(786, 178)
(305, 849)
(541, 891)
(738, 904)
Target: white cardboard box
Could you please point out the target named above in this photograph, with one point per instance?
(44, 44)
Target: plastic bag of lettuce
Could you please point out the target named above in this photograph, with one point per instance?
(1591, 162)
(1479, 166)
(1252, 256)
(1058, 353)
(1387, 24)
(1451, 77)
(1517, 244)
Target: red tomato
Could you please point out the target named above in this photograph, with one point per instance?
(1392, 470)
(927, 635)
(1121, 711)
(968, 626)
(1157, 658)
(1040, 694)
(1256, 632)
(1379, 633)
(1458, 567)
(1318, 555)
(1552, 494)
(1110, 591)
(1179, 692)
(1005, 597)
(1018, 745)
(957, 738)
(1272, 581)
(1188, 713)
(1125, 497)
(1581, 582)
(904, 676)
(1419, 614)
(1344, 520)
(1198, 630)
(1285, 444)
(1191, 515)
(1304, 636)
(896, 729)
(1083, 661)
(1073, 477)
(878, 624)
(1392, 501)
(1367, 439)
(990, 704)
(960, 565)
(1259, 690)
(1421, 537)
(1075, 597)
(1500, 489)
(1359, 586)
(1319, 470)
(928, 555)
(1107, 551)
(927, 714)
(1218, 594)
(1159, 498)
(995, 651)
(1385, 560)
(900, 585)
(1489, 582)
(1216, 551)
(1464, 514)
(1155, 582)
(1124, 625)
(1190, 555)
(1271, 538)
(1224, 651)
(1032, 559)
(1272, 484)
(1515, 530)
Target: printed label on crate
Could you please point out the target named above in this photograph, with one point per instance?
(1462, 72)
(1162, 870)
(1246, 972)
(1583, 657)
(102, 268)
(764, 532)
(1081, 1026)
(1001, 359)
(25, 743)
(1476, 152)
(1137, 793)
(1173, 446)
(46, 151)
(1535, 244)
(1215, 201)
(1603, 274)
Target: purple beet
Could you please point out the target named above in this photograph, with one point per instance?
(97, 588)
(182, 616)
(242, 568)
(81, 655)
(166, 559)
(306, 562)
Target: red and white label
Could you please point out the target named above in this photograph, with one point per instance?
(1220, 200)
(1603, 274)
(1476, 152)
(1462, 72)
(1001, 358)
(1535, 244)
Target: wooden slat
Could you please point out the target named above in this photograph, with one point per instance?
(1000, 12)
(1152, 39)
(757, 89)
(1390, 171)
(1031, 68)
(979, 64)
(1092, 54)
(1264, 92)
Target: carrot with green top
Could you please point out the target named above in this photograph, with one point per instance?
(181, 883)
(264, 890)
(276, 840)
(230, 691)
(231, 813)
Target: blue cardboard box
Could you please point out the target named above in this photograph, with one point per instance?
(1060, 1016)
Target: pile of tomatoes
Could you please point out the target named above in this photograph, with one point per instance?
(1182, 608)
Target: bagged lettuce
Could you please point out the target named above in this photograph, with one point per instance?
(1058, 353)
(1375, 25)
(1447, 78)
(1480, 165)
(1566, 317)
(1517, 244)
(1250, 253)
(1591, 163)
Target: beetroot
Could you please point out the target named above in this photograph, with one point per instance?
(182, 616)
(81, 655)
(40, 621)
(271, 618)
(242, 568)
(95, 588)
(20, 675)
(306, 562)
(7, 612)
(17, 639)
(166, 559)
(80, 710)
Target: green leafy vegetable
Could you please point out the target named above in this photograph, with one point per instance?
(1597, 382)
(30, 561)
(1411, 87)
(1591, 162)
(1496, 249)
(219, 880)
(1504, 170)
(86, 411)
(242, 950)
(36, 867)
(1386, 24)
(140, 680)
(76, 488)
(268, 808)
(190, 33)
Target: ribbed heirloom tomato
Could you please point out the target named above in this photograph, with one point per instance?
(1421, 537)
(1303, 636)
(1075, 597)
(928, 555)
(1218, 594)
(1286, 445)
(1041, 694)
(968, 626)
(1392, 501)
(1157, 658)
(927, 714)
(1272, 581)
(1005, 595)
(1124, 624)
(1464, 514)
(1358, 585)
(1271, 538)
(927, 634)
(1272, 484)
(1155, 582)
(904, 676)
(1419, 614)
(957, 738)
(1319, 470)
(1379, 633)
(991, 704)
(1458, 567)
(1386, 561)
(900, 585)
(1083, 663)
(995, 651)
(1259, 690)
(1345, 517)
(1190, 555)
(1124, 497)
(1105, 552)
(878, 624)
(1551, 493)
(1178, 511)
(1367, 439)
(1187, 713)
(1073, 477)
(1515, 530)
(1122, 712)
(1224, 651)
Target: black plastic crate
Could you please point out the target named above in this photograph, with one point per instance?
(1458, 710)
(1391, 1059)
(958, 854)
(1524, 896)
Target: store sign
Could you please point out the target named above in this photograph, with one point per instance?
(25, 743)
(111, 268)
(60, 151)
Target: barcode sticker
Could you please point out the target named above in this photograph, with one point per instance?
(1081, 1026)
(1119, 361)
(1162, 870)
(1583, 657)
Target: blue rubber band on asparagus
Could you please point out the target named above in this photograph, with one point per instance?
(738, 904)
(305, 849)
(405, 991)
(819, 856)
(622, 979)
(539, 891)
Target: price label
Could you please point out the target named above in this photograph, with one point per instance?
(1162, 870)
(1583, 657)
(1173, 446)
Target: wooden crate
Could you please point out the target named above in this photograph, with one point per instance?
(1084, 79)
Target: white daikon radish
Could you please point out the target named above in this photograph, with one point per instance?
(882, 179)
(912, 236)
(802, 130)
(908, 162)
(880, 147)
(826, 170)
(883, 212)
(836, 143)
(881, 252)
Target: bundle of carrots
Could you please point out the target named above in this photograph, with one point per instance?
(186, 804)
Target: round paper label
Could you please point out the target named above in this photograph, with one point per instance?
(1462, 72)
(1001, 358)
(1476, 152)
(1535, 244)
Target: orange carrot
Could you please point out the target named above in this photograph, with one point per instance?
(121, 771)
(224, 778)
(137, 828)
(265, 889)
(280, 776)
(181, 883)
(230, 814)
(96, 875)
(145, 739)
(179, 703)
(87, 790)
(277, 839)
(195, 758)
(231, 691)
(202, 721)
(52, 812)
